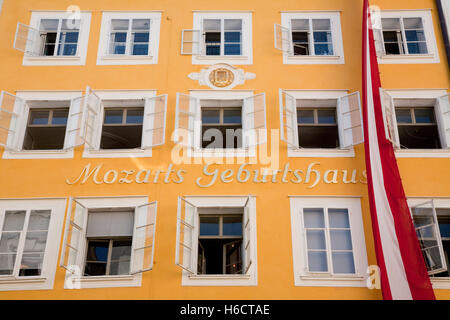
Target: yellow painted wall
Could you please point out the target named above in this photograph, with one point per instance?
(45, 178)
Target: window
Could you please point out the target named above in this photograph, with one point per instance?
(54, 38)
(29, 240)
(40, 124)
(310, 38)
(221, 125)
(328, 242)
(129, 38)
(220, 242)
(331, 122)
(109, 241)
(216, 241)
(222, 37)
(46, 129)
(417, 123)
(405, 37)
(432, 223)
(208, 120)
(124, 123)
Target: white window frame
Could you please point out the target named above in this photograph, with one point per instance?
(73, 281)
(441, 282)
(336, 33)
(296, 152)
(83, 39)
(430, 37)
(412, 94)
(301, 276)
(250, 279)
(197, 151)
(46, 280)
(247, 43)
(103, 56)
(125, 153)
(22, 121)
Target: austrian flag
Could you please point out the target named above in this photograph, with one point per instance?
(404, 274)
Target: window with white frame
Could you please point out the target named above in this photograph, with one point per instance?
(215, 242)
(229, 122)
(328, 241)
(29, 241)
(320, 123)
(219, 37)
(405, 37)
(40, 123)
(310, 38)
(417, 123)
(129, 38)
(54, 39)
(106, 238)
(124, 122)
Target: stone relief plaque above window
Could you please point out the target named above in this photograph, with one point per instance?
(221, 76)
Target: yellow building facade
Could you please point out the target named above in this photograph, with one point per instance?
(93, 97)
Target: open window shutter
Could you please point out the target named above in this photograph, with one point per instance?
(379, 45)
(144, 238)
(91, 111)
(247, 254)
(390, 121)
(27, 40)
(283, 39)
(190, 42)
(75, 231)
(443, 119)
(351, 130)
(186, 233)
(288, 119)
(75, 123)
(255, 120)
(427, 229)
(11, 107)
(154, 126)
(186, 110)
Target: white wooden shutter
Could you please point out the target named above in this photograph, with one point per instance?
(76, 221)
(255, 120)
(429, 236)
(190, 42)
(349, 112)
(74, 136)
(247, 243)
(443, 119)
(288, 119)
(390, 120)
(154, 126)
(27, 40)
(379, 43)
(91, 112)
(186, 110)
(11, 107)
(143, 248)
(186, 233)
(283, 39)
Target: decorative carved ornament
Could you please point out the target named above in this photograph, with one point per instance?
(221, 76)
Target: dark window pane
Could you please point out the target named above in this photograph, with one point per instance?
(72, 37)
(39, 117)
(318, 136)
(135, 116)
(141, 37)
(403, 115)
(210, 116)
(305, 116)
(300, 36)
(212, 37)
(212, 50)
(444, 224)
(113, 116)
(31, 264)
(323, 49)
(424, 115)
(417, 48)
(120, 37)
(415, 35)
(97, 251)
(232, 226)
(326, 116)
(119, 49)
(392, 48)
(95, 269)
(70, 50)
(140, 50)
(232, 37)
(232, 116)
(121, 137)
(322, 37)
(233, 258)
(390, 36)
(419, 137)
(232, 49)
(209, 226)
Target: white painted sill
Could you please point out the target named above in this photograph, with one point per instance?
(422, 153)
(440, 283)
(320, 57)
(38, 154)
(120, 153)
(204, 57)
(407, 56)
(320, 153)
(50, 58)
(21, 280)
(219, 277)
(315, 277)
(227, 153)
(126, 57)
(106, 278)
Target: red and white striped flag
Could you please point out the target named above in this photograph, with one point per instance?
(403, 272)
